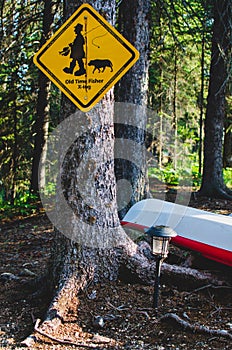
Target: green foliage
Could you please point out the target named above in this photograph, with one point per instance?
(175, 177)
(179, 74)
(17, 93)
(20, 33)
(227, 174)
(24, 204)
(50, 189)
(179, 176)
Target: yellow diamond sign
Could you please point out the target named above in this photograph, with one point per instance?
(86, 57)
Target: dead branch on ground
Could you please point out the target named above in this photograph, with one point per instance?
(171, 317)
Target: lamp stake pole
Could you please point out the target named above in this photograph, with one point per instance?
(157, 282)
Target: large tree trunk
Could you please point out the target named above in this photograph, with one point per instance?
(90, 229)
(212, 183)
(130, 113)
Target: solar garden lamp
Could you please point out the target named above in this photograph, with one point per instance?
(160, 239)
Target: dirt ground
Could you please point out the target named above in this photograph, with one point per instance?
(119, 311)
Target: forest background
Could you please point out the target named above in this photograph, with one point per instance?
(179, 73)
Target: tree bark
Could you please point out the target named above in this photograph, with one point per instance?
(201, 102)
(94, 228)
(14, 162)
(174, 107)
(96, 240)
(227, 154)
(212, 182)
(134, 25)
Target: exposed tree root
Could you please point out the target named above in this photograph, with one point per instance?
(140, 265)
(94, 266)
(73, 279)
(93, 343)
(176, 320)
(209, 191)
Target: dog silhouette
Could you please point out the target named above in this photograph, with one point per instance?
(98, 64)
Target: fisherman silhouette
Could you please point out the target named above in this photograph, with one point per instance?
(76, 50)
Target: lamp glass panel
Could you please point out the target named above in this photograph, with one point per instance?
(165, 247)
(157, 246)
(160, 246)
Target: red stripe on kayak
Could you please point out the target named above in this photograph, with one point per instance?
(214, 253)
(135, 226)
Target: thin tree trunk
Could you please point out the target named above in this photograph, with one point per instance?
(161, 74)
(42, 108)
(14, 163)
(201, 100)
(227, 154)
(174, 109)
(1, 19)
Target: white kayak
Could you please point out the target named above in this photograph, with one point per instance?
(207, 233)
